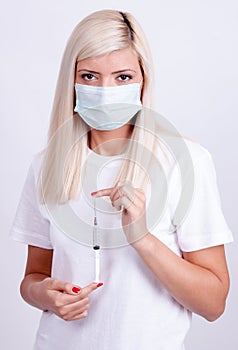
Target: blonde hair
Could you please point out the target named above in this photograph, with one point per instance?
(99, 33)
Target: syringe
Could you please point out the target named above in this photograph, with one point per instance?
(96, 244)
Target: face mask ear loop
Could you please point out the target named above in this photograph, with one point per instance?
(141, 88)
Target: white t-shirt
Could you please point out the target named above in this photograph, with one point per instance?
(132, 310)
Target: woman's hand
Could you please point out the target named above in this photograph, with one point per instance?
(132, 202)
(203, 271)
(64, 299)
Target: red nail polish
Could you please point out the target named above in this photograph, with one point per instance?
(100, 284)
(93, 193)
(75, 289)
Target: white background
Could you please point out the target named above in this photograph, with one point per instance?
(195, 50)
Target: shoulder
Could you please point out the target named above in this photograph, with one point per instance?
(181, 150)
(36, 164)
(201, 166)
(198, 152)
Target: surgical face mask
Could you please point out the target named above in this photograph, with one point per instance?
(107, 108)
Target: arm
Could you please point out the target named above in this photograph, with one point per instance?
(40, 290)
(199, 280)
(38, 268)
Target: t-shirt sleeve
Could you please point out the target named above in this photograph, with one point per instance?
(29, 225)
(204, 225)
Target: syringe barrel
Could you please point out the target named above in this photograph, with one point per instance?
(97, 266)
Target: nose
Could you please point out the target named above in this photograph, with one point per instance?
(107, 81)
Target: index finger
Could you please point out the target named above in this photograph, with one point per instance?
(89, 289)
(102, 192)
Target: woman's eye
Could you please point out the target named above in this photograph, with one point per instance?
(124, 77)
(88, 76)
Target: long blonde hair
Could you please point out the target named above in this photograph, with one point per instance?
(99, 33)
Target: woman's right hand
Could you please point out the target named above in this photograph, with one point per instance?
(40, 290)
(64, 299)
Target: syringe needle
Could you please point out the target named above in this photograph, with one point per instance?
(94, 207)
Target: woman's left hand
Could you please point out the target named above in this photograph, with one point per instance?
(132, 202)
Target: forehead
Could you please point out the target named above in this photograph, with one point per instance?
(115, 60)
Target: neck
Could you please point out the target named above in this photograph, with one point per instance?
(110, 142)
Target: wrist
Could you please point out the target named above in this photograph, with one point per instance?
(142, 242)
(34, 291)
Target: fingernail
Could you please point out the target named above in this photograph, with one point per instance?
(93, 193)
(75, 289)
(100, 284)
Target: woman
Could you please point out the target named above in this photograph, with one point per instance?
(151, 195)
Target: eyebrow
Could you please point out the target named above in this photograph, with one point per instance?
(124, 70)
(117, 72)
